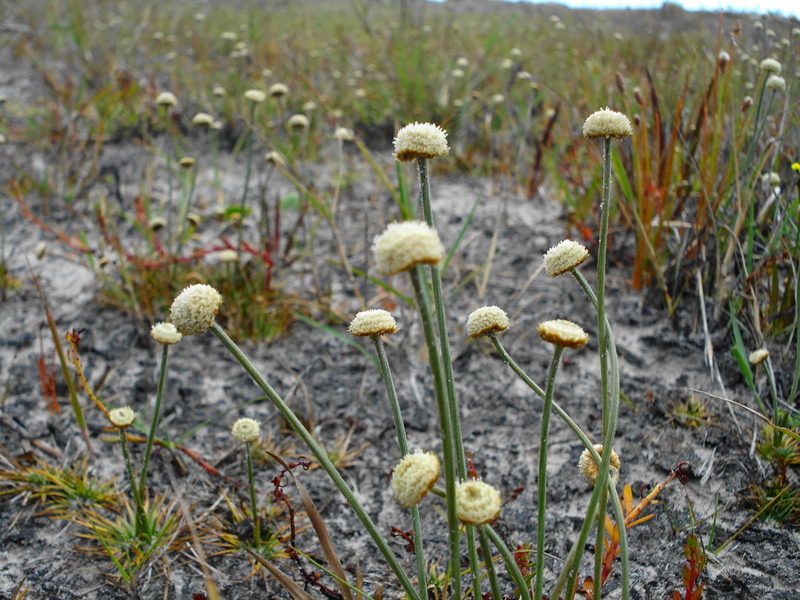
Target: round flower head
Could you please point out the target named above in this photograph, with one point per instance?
(420, 140)
(202, 119)
(298, 122)
(565, 334)
(187, 162)
(403, 245)
(413, 477)
(228, 256)
(274, 158)
(607, 123)
(776, 82)
(486, 320)
(343, 134)
(167, 99)
(122, 418)
(770, 65)
(157, 223)
(477, 502)
(373, 322)
(165, 333)
(195, 309)
(278, 90)
(589, 469)
(219, 91)
(758, 356)
(255, 96)
(246, 430)
(563, 257)
(771, 178)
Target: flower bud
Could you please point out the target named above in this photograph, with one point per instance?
(403, 245)
(420, 140)
(165, 333)
(563, 333)
(373, 322)
(477, 502)
(413, 477)
(486, 320)
(246, 430)
(195, 309)
(607, 123)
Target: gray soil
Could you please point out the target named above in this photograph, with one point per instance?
(336, 388)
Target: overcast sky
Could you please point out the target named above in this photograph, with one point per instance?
(784, 7)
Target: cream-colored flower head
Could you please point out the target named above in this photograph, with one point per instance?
(275, 158)
(228, 256)
(776, 82)
(420, 140)
(403, 245)
(122, 418)
(771, 178)
(758, 356)
(202, 119)
(373, 322)
(157, 223)
(187, 162)
(413, 477)
(486, 320)
(298, 122)
(563, 257)
(278, 90)
(219, 91)
(246, 430)
(770, 65)
(344, 134)
(165, 333)
(167, 99)
(607, 123)
(563, 333)
(255, 96)
(195, 309)
(477, 502)
(590, 470)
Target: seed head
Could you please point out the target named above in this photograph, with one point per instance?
(403, 245)
(563, 257)
(776, 82)
(278, 90)
(167, 99)
(246, 430)
(420, 140)
(758, 356)
(487, 320)
(607, 123)
(122, 418)
(413, 477)
(477, 502)
(589, 469)
(255, 96)
(373, 322)
(770, 65)
(195, 309)
(298, 122)
(202, 119)
(165, 333)
(565, 334)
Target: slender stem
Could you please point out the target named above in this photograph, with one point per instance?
(494, 583)
(417, 274)
(243, 203)
(472, 552)
(253, 502)
(512, 568)
(151, 435)
(515, 367)
(542, 477)
(402, 442)
(322, 458)
(136, 492)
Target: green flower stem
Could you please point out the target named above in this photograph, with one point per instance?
(572, 564)
(494, 584)
(616, 504)
(151, 435)
(512, 568)
(417, 274)
(136, 492)
(243, 203)
(186, 202)
(402, 442)
(322, 457)
(472, 552)
(253, 502)
(542, 477)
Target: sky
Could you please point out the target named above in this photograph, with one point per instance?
(784, 7)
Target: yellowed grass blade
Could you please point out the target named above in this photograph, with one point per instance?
(288, 584)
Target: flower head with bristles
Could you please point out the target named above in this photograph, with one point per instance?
(122, 418)
(589, 469)
(420, 140)
(298, 122)
(770, 65)
(278, 90)
(413, 477)
(255, 96)
(486, 320)
(776, 83)
(563, 257)
(563, 333)
(195, 309)
(477, 502)
(246, 430)
(403, 245)
(373, 322)
(758, 356)
(165, 333)
(166, 99)
(202, 119)
(607, 123)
